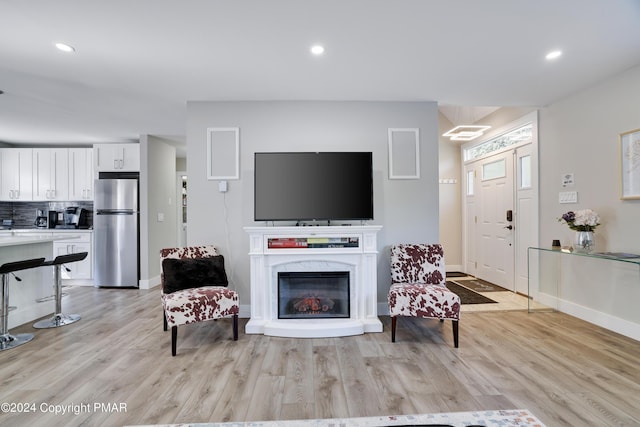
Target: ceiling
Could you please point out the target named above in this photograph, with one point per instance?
(137, 63)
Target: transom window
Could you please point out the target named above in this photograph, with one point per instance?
(516, 136)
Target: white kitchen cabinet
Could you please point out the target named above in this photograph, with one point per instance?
(81, 174)
(116, 157)
(81, 269)
(50, 174)
(16, 180)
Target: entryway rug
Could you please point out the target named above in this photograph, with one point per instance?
(498, 418)
(480, 285)
(467, 296)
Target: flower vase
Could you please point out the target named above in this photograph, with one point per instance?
(584, 242)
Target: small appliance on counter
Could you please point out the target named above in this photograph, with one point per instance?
(53, 219)
(42, 220)
(74, 217)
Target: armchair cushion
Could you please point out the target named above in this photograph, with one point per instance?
(199, 304)
(421, 300)
(188, 273)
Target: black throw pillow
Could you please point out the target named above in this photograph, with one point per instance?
(189, 273)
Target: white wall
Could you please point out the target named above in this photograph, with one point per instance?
(579, 135)
(157, 196)
(407, 209)
(450, 197)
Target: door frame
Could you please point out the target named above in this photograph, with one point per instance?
(181, 226)
(521, 244)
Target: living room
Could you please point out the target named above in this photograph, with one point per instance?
(572, 128)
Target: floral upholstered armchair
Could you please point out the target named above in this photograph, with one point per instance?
(418, 288)
(194, 289)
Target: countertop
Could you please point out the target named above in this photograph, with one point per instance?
(32, 238)
(39, 230)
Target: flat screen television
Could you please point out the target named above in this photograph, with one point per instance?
(307, 186)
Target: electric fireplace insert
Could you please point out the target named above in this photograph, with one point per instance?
(308, 295)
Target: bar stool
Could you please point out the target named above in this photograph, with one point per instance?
(59, 318)
(7, 340)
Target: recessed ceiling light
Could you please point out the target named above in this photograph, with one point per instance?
(65, 47)
(554, 54)
(317, 49)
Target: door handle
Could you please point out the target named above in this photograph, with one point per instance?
(510, 227)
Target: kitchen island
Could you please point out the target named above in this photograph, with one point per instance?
(36, 282)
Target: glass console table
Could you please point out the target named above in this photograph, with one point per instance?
(604, 283)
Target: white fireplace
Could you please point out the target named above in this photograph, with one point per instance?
(313, 249)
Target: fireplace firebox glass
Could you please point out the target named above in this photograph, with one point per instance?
(307, 295)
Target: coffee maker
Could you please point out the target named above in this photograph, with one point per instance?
(42, 220)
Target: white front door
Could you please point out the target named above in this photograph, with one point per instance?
(494, 209)
(501, 205)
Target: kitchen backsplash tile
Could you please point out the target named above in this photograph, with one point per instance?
(24, 213)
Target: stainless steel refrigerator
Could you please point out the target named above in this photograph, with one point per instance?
(115, 230)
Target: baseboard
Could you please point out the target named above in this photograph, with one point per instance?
(454, 268)
(607, 321)
(149, 283)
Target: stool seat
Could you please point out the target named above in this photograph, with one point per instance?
(10, 267)
(65, 259)
(59, 318)
(7, 340)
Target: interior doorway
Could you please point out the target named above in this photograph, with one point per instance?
(500, 204)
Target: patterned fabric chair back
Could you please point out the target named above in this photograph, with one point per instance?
(418, 263)
(186, 252)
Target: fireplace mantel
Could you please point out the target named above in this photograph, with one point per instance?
(309, 248)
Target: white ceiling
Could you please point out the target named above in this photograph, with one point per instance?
(138, 62)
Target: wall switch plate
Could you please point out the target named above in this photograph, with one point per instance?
(160, 217)
(222, 186)
(568, 197)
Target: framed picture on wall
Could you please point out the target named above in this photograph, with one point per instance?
(630, 164)
(404, 153)
(223, 153)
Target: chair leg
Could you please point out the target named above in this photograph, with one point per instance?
(393, 328)
(174, 339)
(164, 318)
(235, 327)
(455, 333)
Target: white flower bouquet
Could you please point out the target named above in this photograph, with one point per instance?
(581, 220)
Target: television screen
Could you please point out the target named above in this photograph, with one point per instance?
(313, 186)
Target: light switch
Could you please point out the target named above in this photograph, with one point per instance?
(160, 217)
(568, 197)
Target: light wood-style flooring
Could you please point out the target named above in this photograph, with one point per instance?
(566, 371)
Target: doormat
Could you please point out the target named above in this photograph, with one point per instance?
(467, 296)
(496, 418)
(480, 285)
(456, 274)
